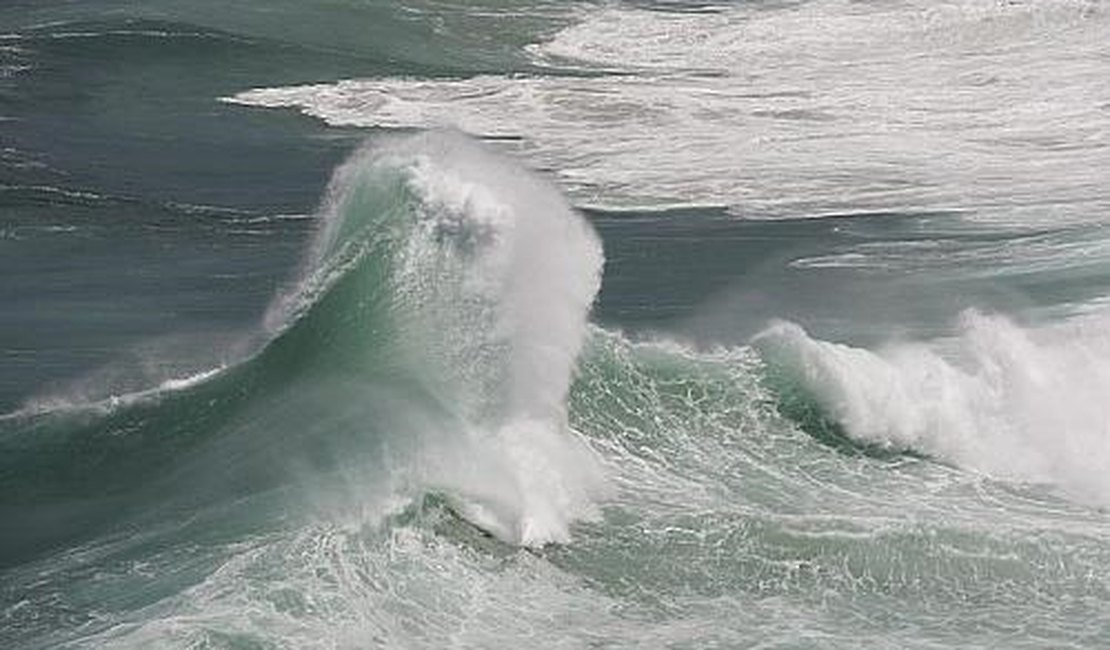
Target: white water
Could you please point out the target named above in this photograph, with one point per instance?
(1015, 403)
(827, 106)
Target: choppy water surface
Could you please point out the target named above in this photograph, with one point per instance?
(613, 324)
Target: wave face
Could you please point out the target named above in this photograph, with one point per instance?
(438, 267)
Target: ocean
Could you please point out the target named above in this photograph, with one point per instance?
(575, 324)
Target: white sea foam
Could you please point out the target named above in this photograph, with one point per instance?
(326, 587)
(822, 107)
(1012, 402)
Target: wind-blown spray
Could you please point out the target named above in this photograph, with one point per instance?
(487, 278)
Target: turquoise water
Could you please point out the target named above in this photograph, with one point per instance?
(647, 324)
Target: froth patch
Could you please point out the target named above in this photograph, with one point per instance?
(824, 107)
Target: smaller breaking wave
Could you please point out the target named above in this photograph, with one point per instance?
(1011, 402)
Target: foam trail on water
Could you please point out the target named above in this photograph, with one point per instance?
(1015, 403)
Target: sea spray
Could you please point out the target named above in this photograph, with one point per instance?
(485, 278)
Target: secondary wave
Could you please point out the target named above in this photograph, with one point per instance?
(1011, 402)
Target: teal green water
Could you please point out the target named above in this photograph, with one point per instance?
(649, 324)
